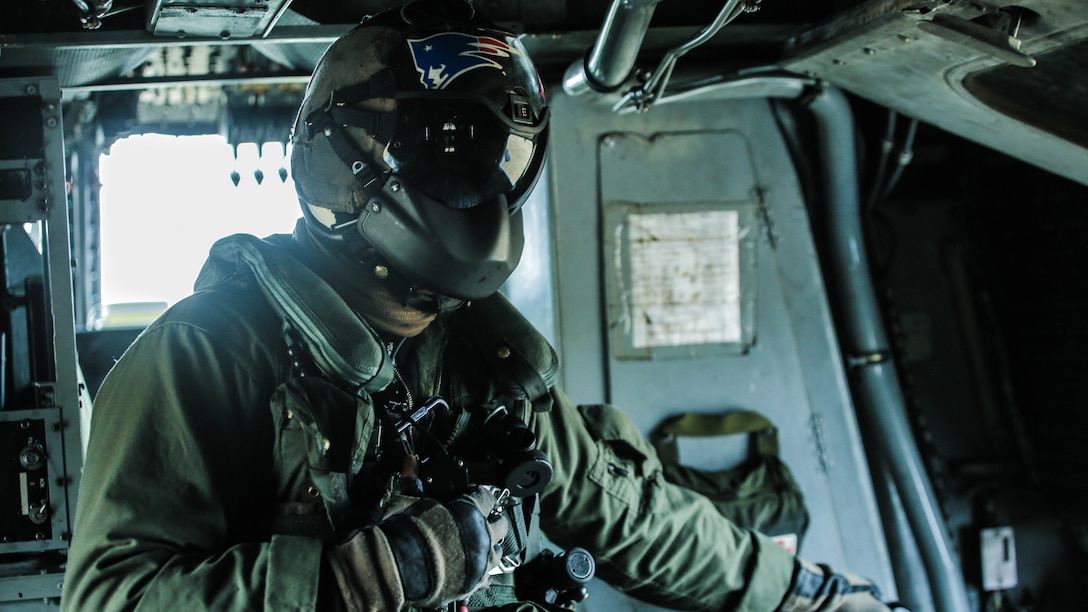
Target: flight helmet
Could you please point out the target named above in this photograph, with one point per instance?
(421, 134)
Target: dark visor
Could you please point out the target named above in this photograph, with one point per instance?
(461, 153)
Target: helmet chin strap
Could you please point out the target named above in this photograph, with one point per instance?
(342, 111)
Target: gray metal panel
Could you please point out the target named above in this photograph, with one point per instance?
(887, 51)
(59, 403)
(793, 373)
(212, 18)
(26, 593)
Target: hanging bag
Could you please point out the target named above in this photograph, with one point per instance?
(759, 494)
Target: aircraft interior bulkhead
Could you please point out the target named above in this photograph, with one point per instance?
(864, 220)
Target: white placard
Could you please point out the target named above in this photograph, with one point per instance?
(685, 278)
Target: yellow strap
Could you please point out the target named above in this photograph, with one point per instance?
(763, 434)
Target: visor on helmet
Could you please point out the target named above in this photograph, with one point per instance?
(461, 153)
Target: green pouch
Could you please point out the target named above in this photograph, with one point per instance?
(759, 494)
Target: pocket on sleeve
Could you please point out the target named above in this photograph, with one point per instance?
(626, 462)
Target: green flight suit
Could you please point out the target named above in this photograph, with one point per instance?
(203, 440)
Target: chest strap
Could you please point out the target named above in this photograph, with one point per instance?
(517, 356)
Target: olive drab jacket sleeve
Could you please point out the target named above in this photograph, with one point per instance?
(175, 487)
(653, 540)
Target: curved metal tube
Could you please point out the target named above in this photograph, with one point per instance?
(746, 86)
(655, 86)
(881, 407)
(91, 13)
(612, 57)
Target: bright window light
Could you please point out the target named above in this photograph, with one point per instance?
(166, 199)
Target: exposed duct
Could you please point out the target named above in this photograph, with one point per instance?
(91, 13)
(611, 60)
(612, 57)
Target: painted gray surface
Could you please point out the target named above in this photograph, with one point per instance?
(889, 54)
(792, 373)
(60, 408)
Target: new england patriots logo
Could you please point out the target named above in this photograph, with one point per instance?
(441, 58)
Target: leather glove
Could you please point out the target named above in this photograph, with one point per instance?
(818, 588)
(427, 555)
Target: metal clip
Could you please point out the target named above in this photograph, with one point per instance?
(502, 500)
(507, 565)
(421, 412)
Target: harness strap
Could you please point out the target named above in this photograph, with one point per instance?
(381, 84)
(339, 113)
(516, 354)
(348, 152)
(378, 124)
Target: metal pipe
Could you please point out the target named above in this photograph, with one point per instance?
(879, 398)
(91, 13)
(276, 18)
(659, 79)
(612, 57)
(746, 86)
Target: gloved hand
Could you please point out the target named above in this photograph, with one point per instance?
(427, 555)
(818, 588)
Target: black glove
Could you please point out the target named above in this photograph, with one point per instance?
(427, 555)
(818, 588)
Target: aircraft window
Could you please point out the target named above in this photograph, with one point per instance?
(165, 200)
